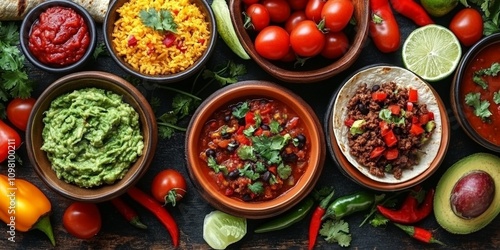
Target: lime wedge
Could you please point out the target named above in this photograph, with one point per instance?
(221, 229)
(432, 52)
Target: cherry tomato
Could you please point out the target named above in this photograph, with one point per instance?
(306, 39)
(249, 2)
(289, 57)
(297, 4)
(19, 110)
(313, 10)
(10, 141)
(336, 45)
(384, 29)
(258, 17)
(467, 25)
(273, 42)
(168, 186)
(82, 220)
(279, 10)
(337, 14)
(295, 18)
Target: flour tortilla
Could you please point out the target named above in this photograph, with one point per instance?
(13, 10)
(96, 8)
(403, 78)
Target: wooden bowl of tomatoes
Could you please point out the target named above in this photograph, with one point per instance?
(254, 149)
(301, 41)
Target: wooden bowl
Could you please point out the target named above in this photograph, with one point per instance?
(198, 169)
(457, 94)
(316, 69)
(339, 151)
(108, 25)
(101, 80)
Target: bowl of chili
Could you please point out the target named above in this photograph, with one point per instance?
(58, 36)
(475, 93)
(254, 149)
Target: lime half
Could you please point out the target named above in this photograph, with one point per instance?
(432, 52)
(221, 229)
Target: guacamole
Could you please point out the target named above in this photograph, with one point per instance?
(91, 137)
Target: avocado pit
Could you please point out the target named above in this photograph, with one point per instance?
(473, 194)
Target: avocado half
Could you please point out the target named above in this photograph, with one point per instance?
(442, 206)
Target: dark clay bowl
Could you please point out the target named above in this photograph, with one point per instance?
(33, 16)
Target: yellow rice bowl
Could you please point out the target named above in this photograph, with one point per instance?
(149, 55)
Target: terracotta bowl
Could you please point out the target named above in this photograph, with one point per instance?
(33, 16)
(315, 69)
(198, 169)
(457, 94)
(108, 25)
(339, 151)
(81, 80)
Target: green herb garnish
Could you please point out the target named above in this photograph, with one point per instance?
(158, 20)
(480, 106)
(216, 167)
(257, 187)
(241, 110)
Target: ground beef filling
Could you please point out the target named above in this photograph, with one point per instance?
(362, 106)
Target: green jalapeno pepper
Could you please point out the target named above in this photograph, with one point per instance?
(349, 204)
(296, 214)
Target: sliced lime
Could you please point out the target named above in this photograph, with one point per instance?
(221, 229)
(432, 52)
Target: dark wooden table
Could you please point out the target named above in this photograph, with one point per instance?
(189, 214)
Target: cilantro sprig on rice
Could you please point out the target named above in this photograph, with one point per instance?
(159, 20)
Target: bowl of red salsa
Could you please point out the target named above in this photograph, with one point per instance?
(58, 36)
(475, 93)
(254, 149)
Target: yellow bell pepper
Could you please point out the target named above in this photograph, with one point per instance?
(24, 207)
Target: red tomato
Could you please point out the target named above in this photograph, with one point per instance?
(249, 2)
(279, 10)
(313, 10)
(10, 141)
(297, 4)
(168, 186)
(259, 17)
(384, 29)
(295, 18)
(273, 42)
(337, 14)
(306, 39)
(467, 25)
(336, 45)
(289, 57)
(19, 110)
(82, 220)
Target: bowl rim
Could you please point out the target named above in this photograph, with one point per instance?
(310, 76)
(257, 210)
(33, 15)
(108, 25)
(455, 91)
(149, 130)
(348, 170)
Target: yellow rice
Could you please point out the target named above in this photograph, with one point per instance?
(192, 29)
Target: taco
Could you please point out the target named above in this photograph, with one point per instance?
(16, 10)
(387, 123)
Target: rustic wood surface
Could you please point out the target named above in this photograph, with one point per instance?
(116, 233)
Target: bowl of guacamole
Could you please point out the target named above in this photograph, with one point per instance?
(91, 136)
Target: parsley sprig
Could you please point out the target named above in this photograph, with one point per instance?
(158, 20)
(480, 106)
(478, 75)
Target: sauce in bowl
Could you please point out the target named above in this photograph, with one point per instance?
(59, 37)
(480, 103)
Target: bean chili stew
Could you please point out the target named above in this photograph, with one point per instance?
(255, 149)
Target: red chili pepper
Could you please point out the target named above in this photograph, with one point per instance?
(127, 212)
(410, 211)
(413, 11)
(384, 29)
(160, 212)
(419, 233)
(316, 219)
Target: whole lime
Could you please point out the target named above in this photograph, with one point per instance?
(439, 8)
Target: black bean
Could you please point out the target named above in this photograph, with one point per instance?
(227, 118)
(241, 121)
(301, 138)
(397, 130)
(226, 136)
(247, 197)
(265, 176)
(290, 158)
(375, 87)
(210, 153)
(363, 109)
(265, 127)
(233, 174)
(233, 145)
(300, 145)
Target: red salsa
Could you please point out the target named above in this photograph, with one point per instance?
(59, 37)
(480, 93)
(255, 150)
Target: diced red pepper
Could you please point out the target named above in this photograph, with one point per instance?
(240, 130)
(416, 129)
(249, 118)
(384, 128)
(180, 46)
(379, 96)
(201, 41)
(242, 139)
(258, 132)
(151, 48)
(390, 138)
(431, 115)
(132, 41)
(415, 120)
(424, 118)
(376, 152)
(391, 154)
(412, 95)
(169, 39)
(409, 106)
(395, 109)
(349, 122)
(292, 123)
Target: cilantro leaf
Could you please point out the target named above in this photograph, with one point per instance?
(248, 172)
(275, 127)
(379, 220)
(260, 167)
(9, 34)
(246, 152)
(336, 232)
(480, 107)
(216, 167)
(477, 76)
(256, 187)
(227, 75)
(241, 110)
(496, 97)
(183, 106)
(284, 171)
(17, 83)
(249, 131)
(158, 20)
(100, 50)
